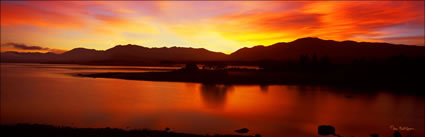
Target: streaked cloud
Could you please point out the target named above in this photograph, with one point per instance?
(21, 14)
(216, 25)
(23, 47)
(326, 19)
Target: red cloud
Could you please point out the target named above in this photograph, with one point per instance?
(330, 20)
(19, 14)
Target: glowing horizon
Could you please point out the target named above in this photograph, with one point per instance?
(221, 26)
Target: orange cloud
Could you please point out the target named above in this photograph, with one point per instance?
(111, 20)
(347, 19)
(222, 26)
(330, 20)
(21, 15)
(411, 40)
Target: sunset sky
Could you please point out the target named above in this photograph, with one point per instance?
(223, 26)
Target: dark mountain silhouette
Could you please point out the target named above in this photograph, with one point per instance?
(133, 53)
(28, 57)
(118, 55)
(81, 55)
(344, 51)
(341, 52)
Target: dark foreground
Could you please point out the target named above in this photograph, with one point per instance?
(36, 130)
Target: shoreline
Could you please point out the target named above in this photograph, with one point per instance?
(258, 77)
(41, 130)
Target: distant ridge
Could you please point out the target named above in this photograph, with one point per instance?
(118, 55)
(338, 51)
(344, 51)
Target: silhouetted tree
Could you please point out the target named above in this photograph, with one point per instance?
(215, 66)
(374, 135)
(397, 134)
(242, 130)
(314, 59)
(304, 60)
(325, 60)
(191, 67)
(325, 130)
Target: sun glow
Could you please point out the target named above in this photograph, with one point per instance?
(214, 25)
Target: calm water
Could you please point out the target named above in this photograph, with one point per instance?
(34, 93)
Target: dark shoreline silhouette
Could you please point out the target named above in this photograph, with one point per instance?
(363, 76)
(38, 130)
(43, 130)
(305, 61)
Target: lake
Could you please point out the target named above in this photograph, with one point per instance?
(50, 94)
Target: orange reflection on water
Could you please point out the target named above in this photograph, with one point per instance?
(48, 95)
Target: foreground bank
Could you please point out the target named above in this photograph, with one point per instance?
(36, 130)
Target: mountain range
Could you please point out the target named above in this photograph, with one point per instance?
(337, 51)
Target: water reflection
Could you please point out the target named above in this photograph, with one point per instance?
(264, 88)
(214, 95)
(32, 94)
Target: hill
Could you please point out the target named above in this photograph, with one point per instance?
(342, 52)
(118, 55)
(336, 51)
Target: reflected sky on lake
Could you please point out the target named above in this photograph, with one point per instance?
(48, 94)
